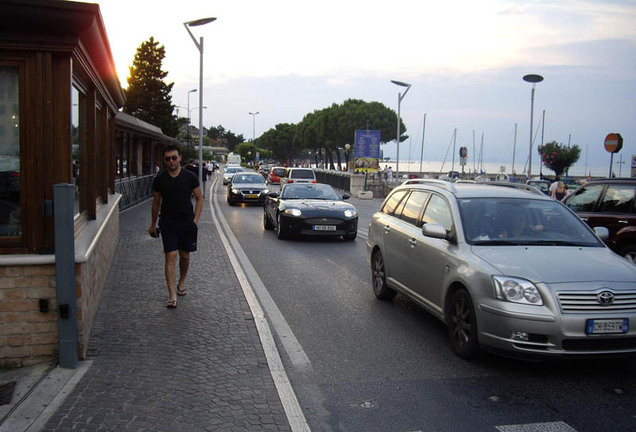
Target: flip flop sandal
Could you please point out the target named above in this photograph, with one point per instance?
(181, 292)
(172, 304)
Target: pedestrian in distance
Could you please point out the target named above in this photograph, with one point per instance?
(173, 189)
(560, 191)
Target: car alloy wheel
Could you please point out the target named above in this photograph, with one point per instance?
(380, 289)
(462, 326)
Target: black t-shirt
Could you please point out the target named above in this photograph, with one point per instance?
(176, 193)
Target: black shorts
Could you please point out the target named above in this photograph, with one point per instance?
(178, 235)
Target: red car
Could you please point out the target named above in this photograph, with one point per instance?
(275, 174)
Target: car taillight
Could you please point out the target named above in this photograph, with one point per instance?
(313, 181)
(290, 181)
(15, 175)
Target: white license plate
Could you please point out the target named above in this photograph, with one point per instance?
(324, 227)
(607, 326)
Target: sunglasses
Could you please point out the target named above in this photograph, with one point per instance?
(169, 158)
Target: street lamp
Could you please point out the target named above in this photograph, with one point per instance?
(400, 97)
(199, 46)
(189, 91)
(347, 147)
(534, 79)
(254, 126)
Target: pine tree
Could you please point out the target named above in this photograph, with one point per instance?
(148, 96)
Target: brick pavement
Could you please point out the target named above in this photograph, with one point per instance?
(199, 367)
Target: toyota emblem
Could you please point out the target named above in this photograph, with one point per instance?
(605, 298)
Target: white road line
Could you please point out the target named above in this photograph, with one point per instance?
(288, 398)
(537, 427)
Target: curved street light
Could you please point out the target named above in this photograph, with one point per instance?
(534, 79)
(254, 126)
(400, 97)
(199, 45)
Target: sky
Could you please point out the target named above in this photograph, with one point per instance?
(464, 60)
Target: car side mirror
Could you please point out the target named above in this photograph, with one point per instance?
(346, 196)
(601, 232)
(435, 231)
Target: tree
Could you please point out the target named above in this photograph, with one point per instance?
(225, 137)
(148, 96)
(280, 141)
(557, 157)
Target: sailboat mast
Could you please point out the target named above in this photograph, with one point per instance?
(514, 150)
(422, 151)
(454, 142)
(481, 153)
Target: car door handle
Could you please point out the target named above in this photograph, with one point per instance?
(387, 228)
(412, 242)
(623, 222)
(584, 219)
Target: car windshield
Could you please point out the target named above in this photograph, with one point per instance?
(302, 174)
(232, 170)
(247, 178)
(310, 191)
(511, 221)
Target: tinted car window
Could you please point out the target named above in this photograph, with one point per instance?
(393, 201)
(413, 206)
(301, 174)
(278, 171)
(585, 198)
(437, 212)
(618, 199)
(247, 178)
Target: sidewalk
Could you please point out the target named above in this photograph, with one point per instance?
(199, 367)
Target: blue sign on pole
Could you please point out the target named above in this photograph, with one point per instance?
(367, 150)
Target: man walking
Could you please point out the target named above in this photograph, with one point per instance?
(178, 222)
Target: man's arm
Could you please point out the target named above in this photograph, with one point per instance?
(154, 214)
(198, 206)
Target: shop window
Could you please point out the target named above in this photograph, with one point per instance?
(10, 180)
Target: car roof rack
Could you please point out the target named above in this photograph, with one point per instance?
(516, 186)
(433, 182)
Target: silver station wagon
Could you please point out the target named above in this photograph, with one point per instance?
(508, 270)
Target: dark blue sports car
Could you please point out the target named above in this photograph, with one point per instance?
(310, 209)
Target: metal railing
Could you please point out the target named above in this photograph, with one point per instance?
(133, 190)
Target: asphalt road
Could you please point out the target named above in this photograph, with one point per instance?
(360, 364)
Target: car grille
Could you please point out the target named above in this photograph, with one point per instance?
(323, 221)
(250, 192)
(604, 344)
(585, 302)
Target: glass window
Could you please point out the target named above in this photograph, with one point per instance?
(585, 199)
(10, 184)
(393, 201)
(413, 206)
(78, 142)
(618, 199)
(437, 212)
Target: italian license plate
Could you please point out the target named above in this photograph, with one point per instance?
(607, 326)
(324, 227)
(251, 196)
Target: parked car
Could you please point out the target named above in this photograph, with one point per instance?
(247, 187)
(609, 203)
(507, 270)
(229, 173)
(542, 185)
(298, 175)
(310, 209)
(275, 174)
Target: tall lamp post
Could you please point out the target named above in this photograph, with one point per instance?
(189, 91)
(254, 126)
(199, 46)
(400, 97)
(347, 148)
(534, 79)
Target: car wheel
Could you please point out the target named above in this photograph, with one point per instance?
(462, 326)
(380, 289)
(630, 253)
(280, 231)
(267, 224)
(350, 236)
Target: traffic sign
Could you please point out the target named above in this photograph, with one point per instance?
(613, 142)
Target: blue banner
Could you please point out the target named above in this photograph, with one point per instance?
(367, 150)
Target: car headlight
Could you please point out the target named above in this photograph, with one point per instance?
(265, 191)
(517, 290)
(350, 213)
(236, 191)
(292, 212)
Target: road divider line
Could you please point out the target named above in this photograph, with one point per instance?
(285, 390)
